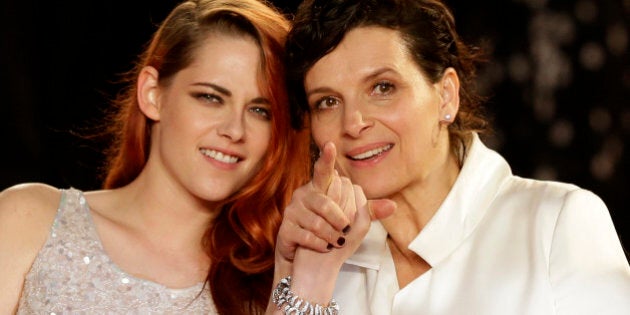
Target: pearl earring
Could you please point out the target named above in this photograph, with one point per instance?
(447, 117)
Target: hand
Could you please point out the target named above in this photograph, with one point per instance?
(314, 273)
(314, 219)
(322, 210)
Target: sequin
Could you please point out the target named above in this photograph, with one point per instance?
(72, 274)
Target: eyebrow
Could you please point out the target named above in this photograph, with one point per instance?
(219, 88)
(318, 90)
(369, 77)
(378, 72)
(228, 93)
(261, 100)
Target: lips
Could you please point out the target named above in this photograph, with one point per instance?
(220, 156)
(370, 153)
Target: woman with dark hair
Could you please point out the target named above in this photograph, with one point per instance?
(187, 219)
(387, 86)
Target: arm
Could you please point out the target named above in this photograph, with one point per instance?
(588, 270)
(314, 273)
(26, 215)
(312, 220)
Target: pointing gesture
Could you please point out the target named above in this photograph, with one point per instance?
(327, 214)
(322, 211)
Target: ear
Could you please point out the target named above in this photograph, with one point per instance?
(148, 93)
(449, 91)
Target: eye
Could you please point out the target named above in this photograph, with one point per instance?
(383, 88)
(326, 102)
(263, 112)
(208, 97)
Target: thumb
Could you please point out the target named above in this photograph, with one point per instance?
(381, 208)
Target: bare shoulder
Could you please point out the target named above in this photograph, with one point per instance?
(32, 201)
(27, 212)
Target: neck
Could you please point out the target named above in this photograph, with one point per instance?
(418, 202)
(165, 214)
(154, 231)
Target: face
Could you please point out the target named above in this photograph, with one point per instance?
(213, 124)
(372, 101)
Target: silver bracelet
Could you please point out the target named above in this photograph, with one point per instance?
(290, 303)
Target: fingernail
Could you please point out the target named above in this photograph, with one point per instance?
(346, 229)
(329, 247)
(341, 241)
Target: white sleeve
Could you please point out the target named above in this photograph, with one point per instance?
(588, 270)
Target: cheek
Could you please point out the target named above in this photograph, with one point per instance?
(419, 114)
(326, 127)
(174, 125)
(260, 144)
(183, 117)
(261, 138)
(322, 132)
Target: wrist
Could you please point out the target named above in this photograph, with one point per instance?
(314, 278)
(314, 285)
(288, 302)
(282, 268)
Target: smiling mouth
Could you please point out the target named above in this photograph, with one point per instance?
(220, 156)
(371, 153)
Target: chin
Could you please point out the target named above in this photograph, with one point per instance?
(214, 194)
(377, 191)
(374, 186)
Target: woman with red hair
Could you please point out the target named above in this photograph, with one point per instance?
(192, 200)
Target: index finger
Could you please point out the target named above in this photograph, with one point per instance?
(324, 168)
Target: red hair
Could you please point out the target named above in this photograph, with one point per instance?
(241, 240)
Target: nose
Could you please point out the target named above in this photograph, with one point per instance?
(232, 126)
(354, 121)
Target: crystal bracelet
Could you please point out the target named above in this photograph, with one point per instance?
(290, 303)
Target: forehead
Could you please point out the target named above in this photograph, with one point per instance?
(362, 51)
(230, 61)
(226, 57)
(226, 48)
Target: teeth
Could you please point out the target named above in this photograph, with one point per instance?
(219, 156)
(371, 153)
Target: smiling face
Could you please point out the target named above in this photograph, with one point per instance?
(385, 118)
(212, 124)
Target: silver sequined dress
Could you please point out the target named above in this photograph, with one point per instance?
(72, 274)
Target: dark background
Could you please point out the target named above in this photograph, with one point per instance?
(558, 83)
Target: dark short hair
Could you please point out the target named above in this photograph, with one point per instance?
(427, 28)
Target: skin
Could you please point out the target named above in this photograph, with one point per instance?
(368, 94)
(152, 227)
(300, 246)
(213, 104)
(387, 122)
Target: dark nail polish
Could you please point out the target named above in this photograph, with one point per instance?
(329, 247)
(341, 241)
(346, 229)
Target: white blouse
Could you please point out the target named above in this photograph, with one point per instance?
(499, 244)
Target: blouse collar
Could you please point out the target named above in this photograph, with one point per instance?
(483, 173)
